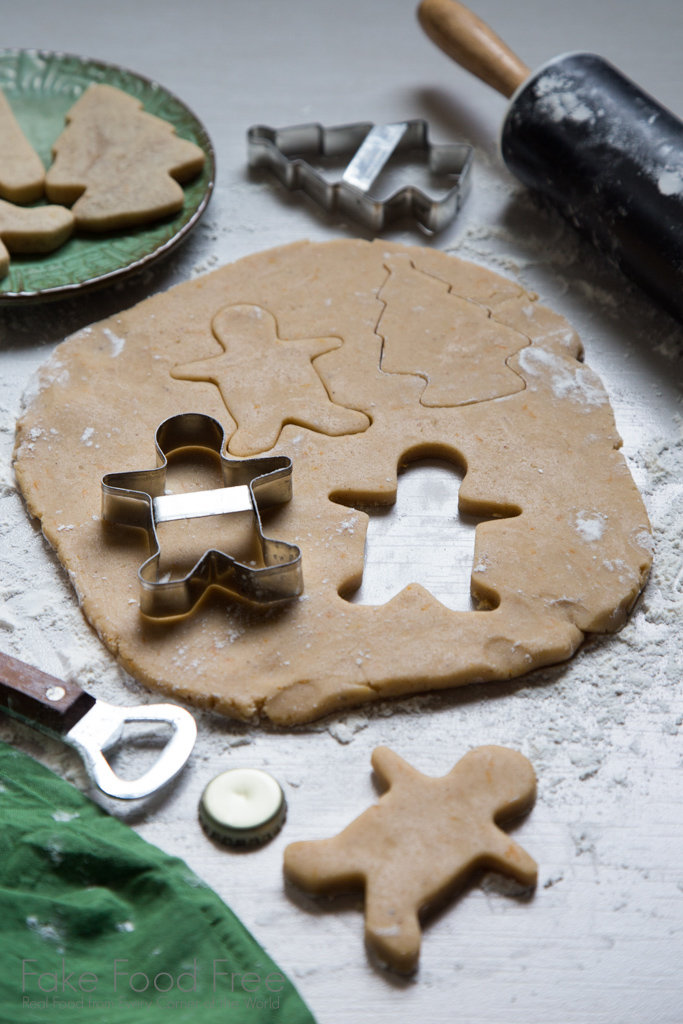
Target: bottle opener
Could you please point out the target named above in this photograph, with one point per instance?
(91, 726)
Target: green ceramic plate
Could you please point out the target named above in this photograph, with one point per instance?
(41, 86)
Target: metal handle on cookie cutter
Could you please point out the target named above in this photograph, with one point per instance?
(62, 709)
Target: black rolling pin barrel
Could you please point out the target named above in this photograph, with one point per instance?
(589, 140)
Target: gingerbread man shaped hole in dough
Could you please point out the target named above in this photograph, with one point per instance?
(424, 538)
(420, 842)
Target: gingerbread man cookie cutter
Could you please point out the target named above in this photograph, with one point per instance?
(286, 152)
(420, 842)
(137, 499)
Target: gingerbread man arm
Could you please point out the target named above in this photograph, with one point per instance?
(505, 855)
(323, 866)
(33, 229)
(389, 767)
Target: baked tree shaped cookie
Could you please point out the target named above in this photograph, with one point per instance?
(35, 229)
(22, 174)
(118, 165)
(449, 340)
(421, 841)
(267, 381)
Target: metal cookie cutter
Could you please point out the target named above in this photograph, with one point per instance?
(286, 151)
(138, 499)
(63, 710)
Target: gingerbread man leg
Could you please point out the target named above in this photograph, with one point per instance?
(325, 866)
(392, 926)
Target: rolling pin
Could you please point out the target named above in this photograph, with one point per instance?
(585, 137)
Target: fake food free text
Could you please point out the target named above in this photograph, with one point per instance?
(219, 977)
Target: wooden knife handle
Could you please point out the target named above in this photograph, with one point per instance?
(42, 700)
(470, 42)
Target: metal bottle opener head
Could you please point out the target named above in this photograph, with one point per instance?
(102, 727)
(92, 726)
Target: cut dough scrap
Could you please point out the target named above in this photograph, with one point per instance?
(22, 175)
(571, 560)
(423, 839)
(36, 229)
(118, 165)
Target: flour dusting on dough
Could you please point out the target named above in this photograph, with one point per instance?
(590, 525)
(117, 344)
(578, 383)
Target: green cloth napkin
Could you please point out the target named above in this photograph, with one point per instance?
(96, 924)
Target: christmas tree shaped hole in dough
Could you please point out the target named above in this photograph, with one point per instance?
(532, 428)
(22, 174)
(423, 839)
(118, 165)
(35, 229)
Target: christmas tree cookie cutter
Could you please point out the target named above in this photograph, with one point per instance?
(287, 151)
(137, 498)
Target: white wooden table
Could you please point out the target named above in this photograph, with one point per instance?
(601, 941)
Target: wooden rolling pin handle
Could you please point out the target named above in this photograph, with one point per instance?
(472, 44)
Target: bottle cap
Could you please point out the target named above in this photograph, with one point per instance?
(243, 807)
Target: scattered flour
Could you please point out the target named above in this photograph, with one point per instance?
(590, 525)
(47, 932)
(117, 343)
(65, 815)
(559, 102)
(577, 383)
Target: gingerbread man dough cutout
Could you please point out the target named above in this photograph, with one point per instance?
(256, 361)
(421, 841)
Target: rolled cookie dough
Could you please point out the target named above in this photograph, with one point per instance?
(531, 424)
